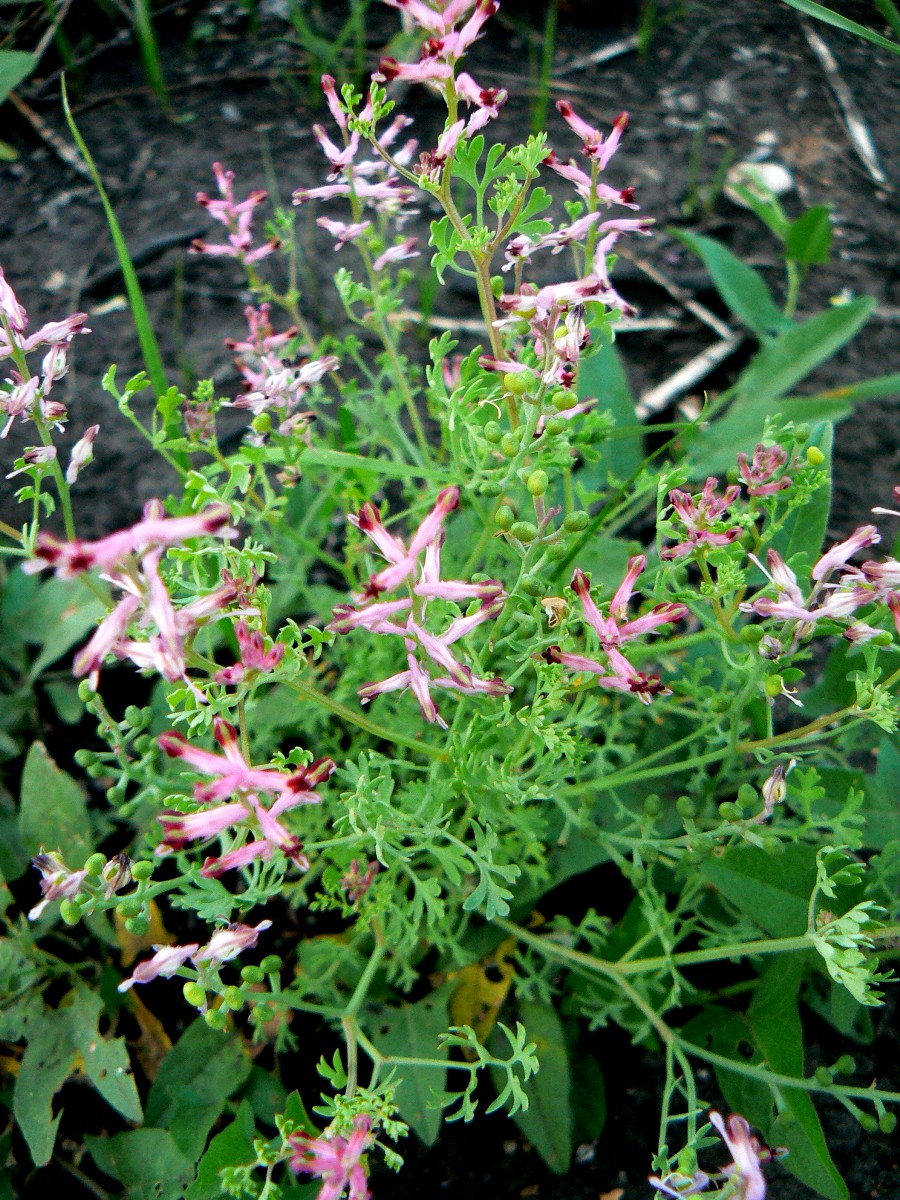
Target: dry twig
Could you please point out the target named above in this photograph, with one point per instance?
(692, 372)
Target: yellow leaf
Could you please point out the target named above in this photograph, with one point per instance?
(156, 935)
(481, 989)
(153, 1043)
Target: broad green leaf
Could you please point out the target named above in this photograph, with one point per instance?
(793, 355)
(741, 287)
(413, 1030)
(603, 376)
(778, 1032)
(547, 1122)
(804, 530)
(230, 1148)
(52, 810)
(882, 789)
(62, 616)
(15, 65)
(588, 1096)
(808, 239)
(880, 387)
(194, 1082)
(147, 1161)
(106, 1061)
(772, 889)
(829, 17)
(46, 1064)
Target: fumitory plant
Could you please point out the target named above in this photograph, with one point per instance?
(430, 640)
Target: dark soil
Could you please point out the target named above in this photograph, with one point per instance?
(713, 82)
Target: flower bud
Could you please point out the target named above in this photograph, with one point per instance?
(652, 805)
(824, 1078)
(801, 433)
(562, 400)
(887, 1122)
(134, 716)
(491, 489)
(261, 423)
(868, 1122)
(845, 1065)
(85, 692)
(729, 811)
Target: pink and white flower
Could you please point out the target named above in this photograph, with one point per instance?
(337, 1161)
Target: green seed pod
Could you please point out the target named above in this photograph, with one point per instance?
(137, 925)
(70, 911)
(95, 864)
(730, 812)
(497, 282)
(523, 531)
(85, 758)
(685, 807)
(648, 852)
(557, 551)
(491, 489)
(528, 626)
(142, 870)
(577, 522)
(845, 1065)
(868, 1122)
(532, 586)
(504, 517)
(652, 805)
(233, 998)
(492, 432)
(824, 1078)
(261, 423)
(271, 964)
(263, 1013)
(772, 844)
(130, 907)
(814, 456)
(509, 445)
(194, 994)
(752, 635)
(216, 1018)
(518, 382)
(774, 686)
(555, 425)
(637, 877)
(562, 400)
(801, 433)
(134, 716)
(537, 483)
(85, 692)
(887, 1122)
(882, 639)
(252, 974)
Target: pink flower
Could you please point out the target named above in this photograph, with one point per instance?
(837, 556)
(341, 231)
(406, 249)
(10, 308)
(614, 631)
(698, 514)
(593, 144)
(759, 475)
(228, 943)
(58, 882)
(589, 189)
(747, 1153)
(402, 560)
(237, 217)
(335, 1160)
(34, 456)
(165, 962)
(420, 72)
(334, 104)
(82, 453)
(254, 657)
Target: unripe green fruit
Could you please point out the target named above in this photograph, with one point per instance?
(85, 758)
(216, 1018)
(814, 456)
(271, 964)
(845, 1065)
(801, 434)
(648, 852)
(509, 445)
(868, 1122)
(491, 489)
(492, 432)
(537, 483)
(652, 806)
(233, 998)
(95, 864)
(70, 912)
(772, 844)
(532, 586)
(555, 425)
(141, 870)
(137, 925)
(729, 811)
(504, 517)
(252, 974)
(774, 686)
(557, 551)
(134, 716)
(562, 400)
(523, 531)
(824, 1077)
(261, 423)
(637, 876)
(752, 635)
(518, 382)
(528, 626)
(194, 994)
(577, 522)
(685, 807)
(85, 692)
(497, 282)
(130, 907)
(263, 1013)
(882, 639)
(887, 1122)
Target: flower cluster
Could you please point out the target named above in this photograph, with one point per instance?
(337, 1161)
(703, 518)
(614, 631)
(130, 560)
(232, 775)
(224, 945)
(237, 217)
(406, 618)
